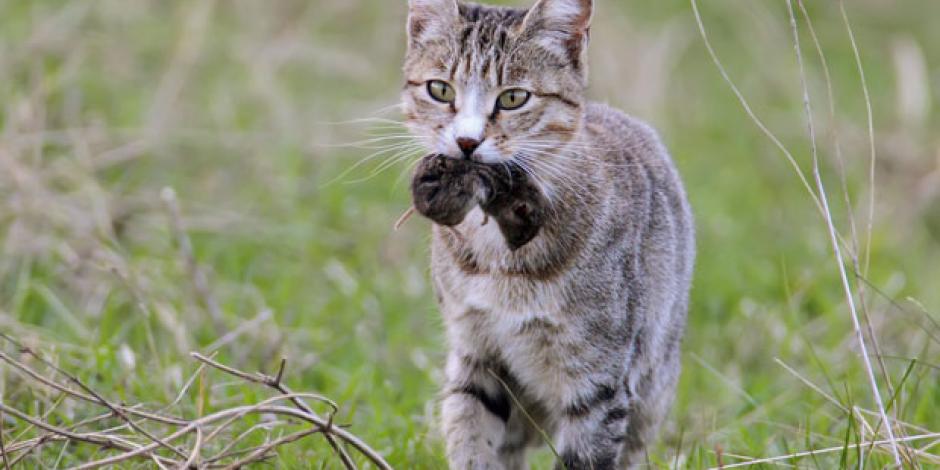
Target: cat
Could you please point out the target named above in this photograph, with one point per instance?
(575, 336)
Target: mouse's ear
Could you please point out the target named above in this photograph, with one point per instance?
(428, 18)
(560, 26)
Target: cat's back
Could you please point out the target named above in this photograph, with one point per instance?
(623, 143)
(648, 194)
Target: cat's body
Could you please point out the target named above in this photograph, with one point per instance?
(576, 333)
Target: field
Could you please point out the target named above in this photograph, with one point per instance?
(180, 176)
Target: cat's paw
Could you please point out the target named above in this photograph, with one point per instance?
(445, 189)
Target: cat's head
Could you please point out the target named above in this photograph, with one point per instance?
(490, 83)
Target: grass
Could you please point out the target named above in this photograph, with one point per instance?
(244, 109)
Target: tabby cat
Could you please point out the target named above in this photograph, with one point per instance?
(577, 333)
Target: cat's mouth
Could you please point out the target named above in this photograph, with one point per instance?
(479, 158)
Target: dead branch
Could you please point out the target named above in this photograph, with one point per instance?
(260, 452)
(227, 451)
(3, 450)
(32, 444)
(106, 442)
(170, 441)
(276, 384)
(264, 407)
(68, 391)
(194, 455)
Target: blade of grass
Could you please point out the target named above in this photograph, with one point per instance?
(853, 230)
(747, 107)
(871, 134)
(827, 450)
(544, 435)
(834, 239)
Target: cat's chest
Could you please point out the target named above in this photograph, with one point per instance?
(525, 325)
(515, 296)
(508, 314)
(492, 302)
(484, 238)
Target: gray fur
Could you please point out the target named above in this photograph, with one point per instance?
(584, 323)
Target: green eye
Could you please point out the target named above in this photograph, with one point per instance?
(512, 99)
(441, 91)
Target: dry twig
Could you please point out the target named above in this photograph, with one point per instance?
(404, 218)
(276, 384)
(3, 450)
(175, 442)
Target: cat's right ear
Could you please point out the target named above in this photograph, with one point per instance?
(562, 26)
(430, 17)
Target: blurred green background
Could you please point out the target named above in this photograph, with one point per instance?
(259, 116)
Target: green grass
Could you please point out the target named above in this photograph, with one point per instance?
(243, 112)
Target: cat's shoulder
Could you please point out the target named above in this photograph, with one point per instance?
(624, 138)
(610, 123)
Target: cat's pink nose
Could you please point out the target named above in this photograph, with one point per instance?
(467, 145)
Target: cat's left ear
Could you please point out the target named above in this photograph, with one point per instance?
(428, 18)
(561, 25)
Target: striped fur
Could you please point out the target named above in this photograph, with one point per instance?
(583, 325)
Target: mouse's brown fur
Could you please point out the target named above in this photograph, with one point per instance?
(446, 189)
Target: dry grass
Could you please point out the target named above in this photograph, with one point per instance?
(903, 455)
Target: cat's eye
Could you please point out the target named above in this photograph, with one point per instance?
(441, 91)
(512, 99)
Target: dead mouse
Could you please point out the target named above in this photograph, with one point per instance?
(446, 189)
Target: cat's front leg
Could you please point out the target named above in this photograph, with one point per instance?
(474, 412)
(592, 429)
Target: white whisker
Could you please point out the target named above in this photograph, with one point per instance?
(413, 145)
(388, 163)
(366, 143)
